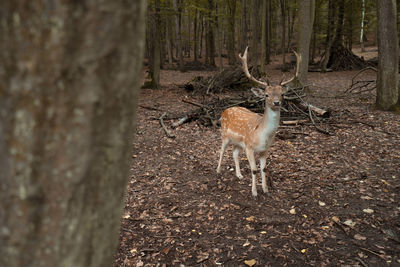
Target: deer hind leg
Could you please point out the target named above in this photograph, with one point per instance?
(236, 151)
(225, 142)
(263, 163)
(253, 166)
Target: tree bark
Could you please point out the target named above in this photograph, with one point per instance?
(178, 34)
(195, 36)
(306, 22)
(69, 80)
(388, 55)
(231, 31)
(362, 26)
(255, 30)
(283, 39)
(210, 35)
(264, 33)
(244, 28)
(155, 45)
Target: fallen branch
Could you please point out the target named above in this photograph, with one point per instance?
(164, 127)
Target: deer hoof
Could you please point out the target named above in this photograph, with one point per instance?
(239, 176)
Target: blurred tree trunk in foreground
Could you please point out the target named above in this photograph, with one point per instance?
(388, 58)
(69, 77)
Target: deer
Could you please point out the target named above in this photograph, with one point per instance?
(250, 131)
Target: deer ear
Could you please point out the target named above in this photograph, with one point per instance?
(258, 92)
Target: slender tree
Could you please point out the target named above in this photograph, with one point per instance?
(178, 29)
(154, 44)
(388, 65)
(362, 26)
(283, 37)
(231, 4)
(256, 32)
(69, 90)
(306, 22)
(244, 27)
(264, 33)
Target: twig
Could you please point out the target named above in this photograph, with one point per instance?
(151, 108)
(315, 125)
(373, 253)
(193, 103)
(164, 127)
(361, 261)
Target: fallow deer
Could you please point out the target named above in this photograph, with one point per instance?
(251, 132)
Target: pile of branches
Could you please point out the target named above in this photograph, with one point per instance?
(295, 110)
(228, 79)
(342, 58)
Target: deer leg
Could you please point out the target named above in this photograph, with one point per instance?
(236, 151)
(225, 142)
(263, 163)
(253, 166)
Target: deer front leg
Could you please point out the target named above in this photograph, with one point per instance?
(236, 151)
(253, 166)
(263, 163)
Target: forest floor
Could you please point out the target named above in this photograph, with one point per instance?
(335, 201)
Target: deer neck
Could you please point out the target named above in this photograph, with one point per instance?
(270, 122)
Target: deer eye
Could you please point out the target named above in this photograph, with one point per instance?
(266, 95)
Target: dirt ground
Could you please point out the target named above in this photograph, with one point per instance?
(335, 200)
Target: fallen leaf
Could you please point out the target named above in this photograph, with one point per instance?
(250, 262)
(127, 216)
(369, 211)
(349, 223)
(303, 250)
(246, 244)
(322, 204)
(292, 211)
(250, 219)
(335, 219)
(366, 197)
(359, 237)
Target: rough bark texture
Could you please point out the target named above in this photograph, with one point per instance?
(255, 33)
(231, 4)
(388, 66)
(154, 44)
(69, 76)
(306, 21)
(243, 37)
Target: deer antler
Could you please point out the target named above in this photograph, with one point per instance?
(298, 57)
(246, 69)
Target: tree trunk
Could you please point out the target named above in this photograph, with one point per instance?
(210, 34)
(330, 34)
(155, 45)
(218, 36)
(283, 39)
(178, 34)
(169, 42)
(231, 31)
(306, 22)
(362, 26)
(263, 35)
(195, 36)
(269, 31)
(201, 35)
(244, 28)
(256, 31)
(69, 80)
(388, 65)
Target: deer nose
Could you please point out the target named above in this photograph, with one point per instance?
(277, 103)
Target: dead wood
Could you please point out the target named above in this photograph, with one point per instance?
(295, 110)
(164, 127)
(228, 79)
